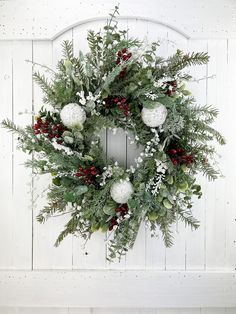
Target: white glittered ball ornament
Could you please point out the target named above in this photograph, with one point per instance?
(73, 115)
(121, 191)
(154, 117)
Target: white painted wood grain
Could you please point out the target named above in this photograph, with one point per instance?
(6, 240)
(44, 19)
(136, 289)
(53, 310)
(21, 223)
(230, 167)
(79, 311)
(33, 310)
(216, 196)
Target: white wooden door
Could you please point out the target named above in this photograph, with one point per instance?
(203, 260)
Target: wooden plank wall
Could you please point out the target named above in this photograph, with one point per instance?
(24, 244)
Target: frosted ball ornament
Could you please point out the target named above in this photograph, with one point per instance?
(73, 115)
(154, 117)
(121, 191)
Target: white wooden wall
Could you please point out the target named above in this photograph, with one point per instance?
(201, 264)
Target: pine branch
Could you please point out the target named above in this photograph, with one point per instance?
(166, 234)
(12, 127)
(209, 171)
(82, 75)
(70, 228)
(67, 50)
(43, 83)
(195, 58)
(188, 219)
(207, 110)
(205, 128)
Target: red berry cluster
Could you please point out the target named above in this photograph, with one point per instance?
(125, 56)
(87, 174)
(49, 129)
(172, 90)
(121, 211)
(178, 156)
(121, 102)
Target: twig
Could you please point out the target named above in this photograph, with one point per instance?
(203, 78)
(41, 65)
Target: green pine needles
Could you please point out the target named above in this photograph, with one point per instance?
(120, 84)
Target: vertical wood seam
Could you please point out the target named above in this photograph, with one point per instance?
(205, 216)
(32, 170)
(72, 237)
(12, 117)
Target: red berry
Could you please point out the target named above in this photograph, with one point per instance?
(179, 150)
(174, 161)
(124, 50)
(173, 83)
(78, 174)
(119, 53)
(172, 152)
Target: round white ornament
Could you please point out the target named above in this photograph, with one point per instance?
(73, 115)
(121, 191)
(154, 117)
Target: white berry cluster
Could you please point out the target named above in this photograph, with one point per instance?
(162, 81)
(108, 172)
(150, 148)
(151, 96)
(90, 102)
(154, 183)
(60, 147)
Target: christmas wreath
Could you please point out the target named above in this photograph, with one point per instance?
(120, 83)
